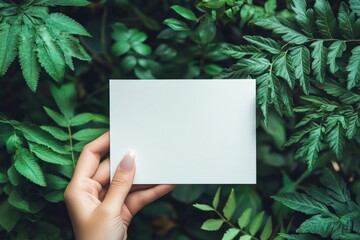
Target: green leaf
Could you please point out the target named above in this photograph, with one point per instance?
(212, 224)
(212, 69)
(282, 26)
(48, 155)
(270, 6)
(141, 48)
(283, 67)
(205, 32)
(353, 125)
(325, 19)
(89, 134)
(303, 17)
(120, 48)
(55, 197)
(266, 44)
(266, 233)
(336, 137)
(83, 118)
(354, 4)
(230, 234)
(65, 98)
(49, 54)
(301, 202)
(3, 178)
(55, 182)
(176, 25)
(71, 48)
(8, 216)
(129, 63)
(184, 12)
(65, 24)
(319, 54)
(27, 166)
(245, 218)
(336, 187)
(56, 132)
(301, 62)
(57, 117)
(246, 237)
(241, 51)
(61, 2)
(215, 202)
(336, 50)
(256, 223)
(14, 176)
(13, 142)
(18, 202)
(212, 4)
(230, 205)
(27, 58)
(324, 226)
(353, 68)
(346, 21)
(9, 42)
(203, 207)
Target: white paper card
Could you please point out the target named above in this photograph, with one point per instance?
(185, 131)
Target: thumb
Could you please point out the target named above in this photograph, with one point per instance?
(121, 182)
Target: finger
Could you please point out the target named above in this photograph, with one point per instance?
(141, 187)
(90, 156)
(121, 183)
(137, 200)
(102, 174)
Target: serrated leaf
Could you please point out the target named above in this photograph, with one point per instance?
(61, 2)
(89, 134)
(64, 24)
(27, 58)
(212, 224)
(354, 4)
(266, 232)
(325, 19)
(245, 218)
(230, 234)
(303, 17)
(83, 118)
(301, 62)
(9, 42)
(18, 202)
(297, 236)
(14, 176)
(216, 199)
(266, 44)
(71, 48)
(26, 165)
(353, 125)
(336, 187)
(256, 223)
(336, 50)
(184, 12)
(301, 202)
(319, 55)
(65, 98)
(48, 155)
(203, 207)
(336, 139)
(55, 182)
(282, 26)
(324, 226)
(313, 146)
(353, 68)
(56, 132)
(9, 216)
(241, 51)
(176, 25)
(283, 67)
(57, 117)
(245, 237)
(346, 21)
(230, 205)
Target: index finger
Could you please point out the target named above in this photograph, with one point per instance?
(90, 156)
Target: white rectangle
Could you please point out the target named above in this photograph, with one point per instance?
(185, 131)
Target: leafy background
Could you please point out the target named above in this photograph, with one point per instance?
(55, 61)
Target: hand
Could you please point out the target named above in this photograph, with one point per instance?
(99, 210)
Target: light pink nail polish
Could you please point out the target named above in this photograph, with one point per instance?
(128, 161)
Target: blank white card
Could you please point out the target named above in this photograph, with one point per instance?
(185, 131)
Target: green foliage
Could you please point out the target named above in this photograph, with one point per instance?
(40, 38)
(247, 227)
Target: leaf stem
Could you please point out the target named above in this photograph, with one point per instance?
(71, 145)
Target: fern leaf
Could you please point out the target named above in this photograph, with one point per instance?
(346, 21)
(353, 124)
(266, 44)
(56, 132)
(49, 55)
(334, 89)
(27, 57)
(253, 65)
(71, 47)
(336, 186)
(325, 20)
(324, 226)
(283, 67)
(48, 155)
(302, 203)
(57, 117)
(314, 146)
(230, 234)
(61, 2)
(9, 42)
(336, 137)
(336, 50)
(355, 6)
(354, 68)
(319, 54)
(282, 26)
(298, 135)
(241, 51)
(26, 165)
(64, 24)
(304, 18)
(301, 61)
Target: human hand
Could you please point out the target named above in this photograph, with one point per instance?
(100, 210)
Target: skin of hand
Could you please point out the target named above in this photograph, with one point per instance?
(100, 210)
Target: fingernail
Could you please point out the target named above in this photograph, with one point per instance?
(127, 163)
